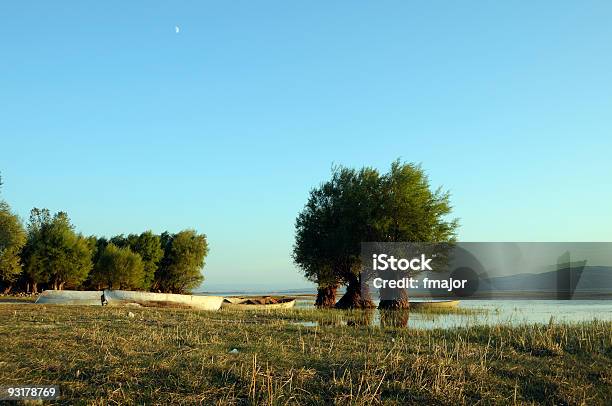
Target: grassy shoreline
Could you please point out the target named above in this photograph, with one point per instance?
(162, 356)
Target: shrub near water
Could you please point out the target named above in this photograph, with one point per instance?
(163, 356)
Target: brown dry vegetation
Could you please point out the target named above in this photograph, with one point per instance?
(99, 355)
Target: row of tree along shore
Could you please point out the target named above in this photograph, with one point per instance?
(360, 205)
(49, 254)
(355, 205)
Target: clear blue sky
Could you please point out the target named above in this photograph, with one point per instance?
(110, 115)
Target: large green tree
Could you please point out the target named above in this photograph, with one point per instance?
(55, 253)
(148, 246)
(358, 211)
(357, 206)
(180, 270)
(339, 215)
(310, 250)
(412, 212)
(118, 268)
(12, 239)
(31, 253)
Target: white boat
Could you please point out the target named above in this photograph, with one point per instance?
(236, 303)
(435, 304)
(149, 299)
(128, 298)
(71, 297)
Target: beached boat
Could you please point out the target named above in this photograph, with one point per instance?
(149, 299)
(71, 297)
(438, 304)
(234, 300)
(128, 298)
(239, 303)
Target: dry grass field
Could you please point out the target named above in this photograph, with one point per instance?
(101, 355)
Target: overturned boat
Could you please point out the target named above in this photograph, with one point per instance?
(128, 298)
(266, 303)
(435, 304)
(149, 299)
(71, 297)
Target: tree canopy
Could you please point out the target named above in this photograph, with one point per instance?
(12, 239)
(118, 268)
(357, 206)
(181, 267)
(148, 246)
(51, 253)
(54, 252)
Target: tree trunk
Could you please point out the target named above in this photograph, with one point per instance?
(393, 303)
(393, 298)
(34, 287)
(355, 298)
(326, 297)
(61, 286)
(8, 289)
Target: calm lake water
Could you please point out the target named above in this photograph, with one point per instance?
(507, 312)
(487, 312)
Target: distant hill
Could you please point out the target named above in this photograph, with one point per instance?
(590, 279)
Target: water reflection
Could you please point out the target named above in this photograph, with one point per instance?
(394, 318)
(334, 322)
(476, 312)
(371, 317)
(363, 317)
